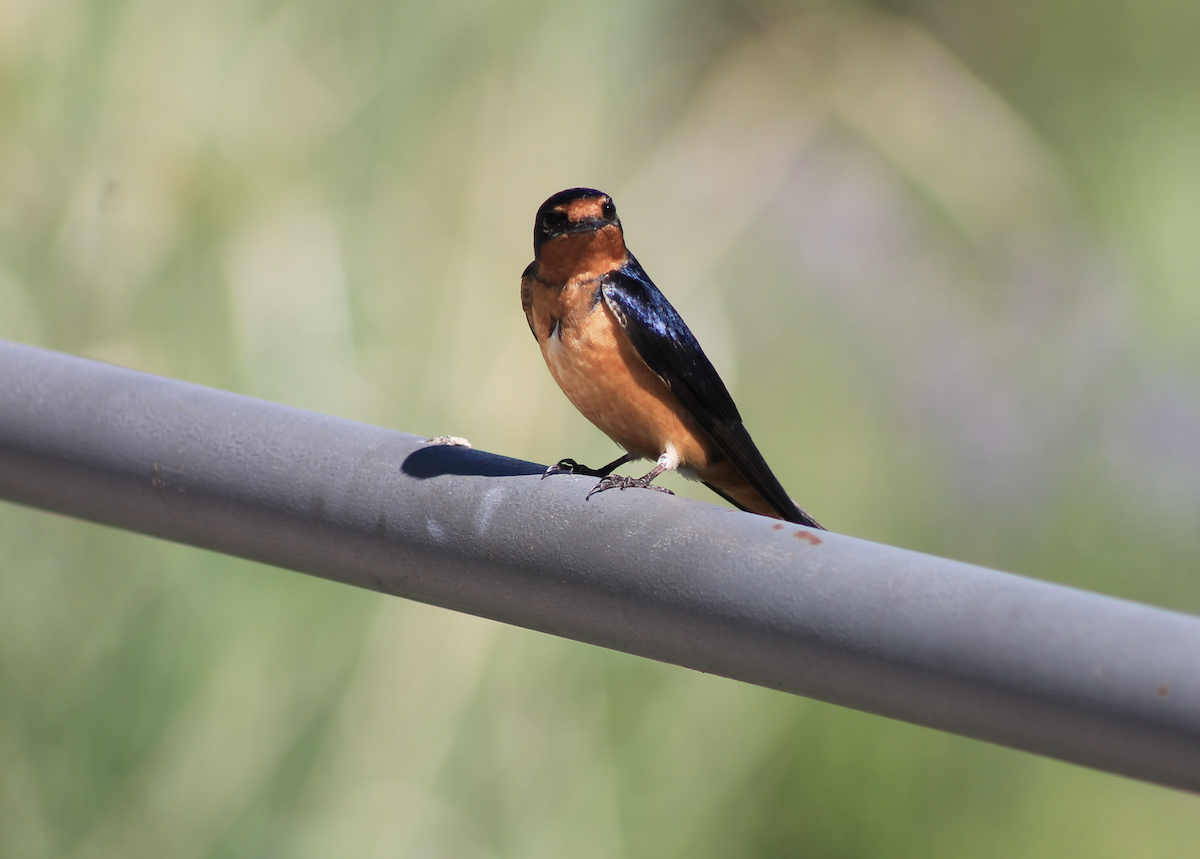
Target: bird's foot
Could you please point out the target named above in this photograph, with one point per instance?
(570, 466)
(619, 481)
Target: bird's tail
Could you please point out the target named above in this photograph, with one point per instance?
(724, 480)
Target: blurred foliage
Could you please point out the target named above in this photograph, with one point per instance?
(944, 254)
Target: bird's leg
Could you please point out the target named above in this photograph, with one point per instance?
(666, 462)
(570, 466)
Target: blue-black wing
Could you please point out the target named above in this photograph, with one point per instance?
(669, 348)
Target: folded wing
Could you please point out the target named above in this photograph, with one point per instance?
(663, 341)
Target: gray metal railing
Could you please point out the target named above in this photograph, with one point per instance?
(1077, 676)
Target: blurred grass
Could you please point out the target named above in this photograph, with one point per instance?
(943, 253)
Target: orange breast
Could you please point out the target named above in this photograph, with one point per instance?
(603, 376)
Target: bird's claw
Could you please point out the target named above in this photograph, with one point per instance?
(563, 466)
(619, 481)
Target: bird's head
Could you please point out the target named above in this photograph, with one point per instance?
(577, 232)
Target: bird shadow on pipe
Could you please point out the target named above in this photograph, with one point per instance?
(439, 460)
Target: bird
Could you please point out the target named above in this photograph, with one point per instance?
(626, 360)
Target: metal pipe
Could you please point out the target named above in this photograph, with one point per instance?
(1060, 672)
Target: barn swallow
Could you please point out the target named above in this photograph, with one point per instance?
(624, 357)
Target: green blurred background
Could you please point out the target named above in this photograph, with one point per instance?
(945, 254)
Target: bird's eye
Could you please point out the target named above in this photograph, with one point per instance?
(552, 221)
(609, 210)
